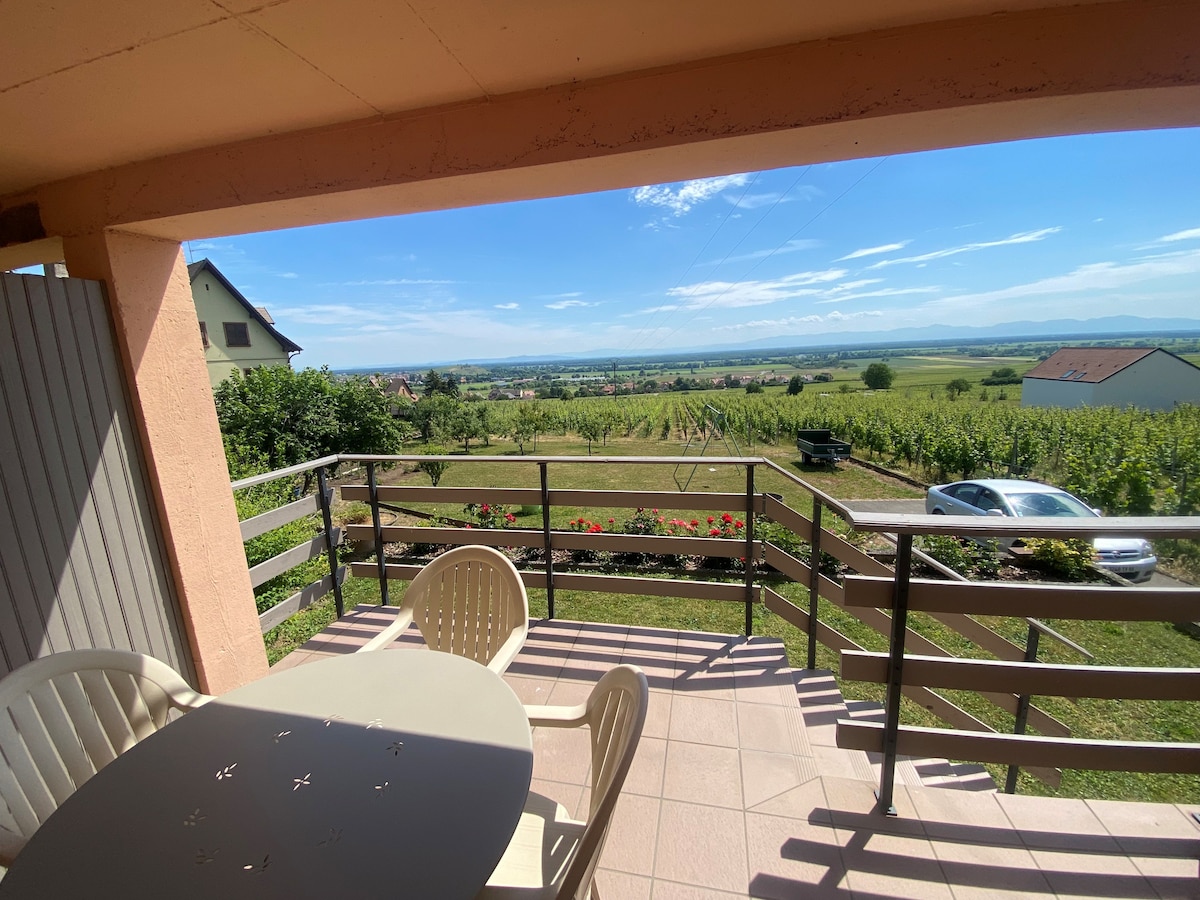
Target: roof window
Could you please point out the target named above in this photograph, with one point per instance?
(1066, 374)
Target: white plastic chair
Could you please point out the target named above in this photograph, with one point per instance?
(471, 602)
(551, 855)
(66, 716)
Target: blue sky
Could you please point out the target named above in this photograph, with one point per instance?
(1076, 227)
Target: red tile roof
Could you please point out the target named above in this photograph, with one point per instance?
(1088, 364)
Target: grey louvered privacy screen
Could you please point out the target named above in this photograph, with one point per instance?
(82, 562)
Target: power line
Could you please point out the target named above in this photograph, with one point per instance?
(646, 328)
(790, 238)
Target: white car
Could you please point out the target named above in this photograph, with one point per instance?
(1131, 558)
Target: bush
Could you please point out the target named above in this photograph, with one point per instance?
(1070, 559)
(966, 557)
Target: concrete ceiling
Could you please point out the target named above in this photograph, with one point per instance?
(193, 118)
(87, 86)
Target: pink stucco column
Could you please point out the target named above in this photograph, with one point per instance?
(154, 319)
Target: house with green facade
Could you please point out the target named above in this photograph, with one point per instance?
(237, 336)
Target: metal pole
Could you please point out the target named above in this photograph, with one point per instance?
(546, 540)
(373, 491)
(750, 570)
(326, 494)
(891, 724)
(814, 583)
(1031, 651)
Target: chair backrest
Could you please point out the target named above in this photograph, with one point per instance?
(616, 712)
(470, 601)
(64, 717)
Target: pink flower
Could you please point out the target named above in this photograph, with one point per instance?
(468, 526)
(485, 508)
(509, 517)
(655, 511)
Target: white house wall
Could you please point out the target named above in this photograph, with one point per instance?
(214, 307)
(1048, 392)
(1157, 381)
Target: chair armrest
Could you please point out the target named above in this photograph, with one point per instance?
(508, 651)
(403, 619)
(190, 699)
(557, 716)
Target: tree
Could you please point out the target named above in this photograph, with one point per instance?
(280, 417)
(433, 383)
(753, 387)
(878, 376)
(434, 468)
(958, 386)
(795, 385)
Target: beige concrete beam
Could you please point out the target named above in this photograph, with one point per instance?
(1107, 66)
(150, 300)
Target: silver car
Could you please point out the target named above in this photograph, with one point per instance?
(1131, 558)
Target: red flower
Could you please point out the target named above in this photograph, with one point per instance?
(726, 518)
(509, 517)
(695, 521)
(711, 520)
(485, 508)
(468, 526)
(714, 532)
(612, 521)
(739, 524)
(655, 511)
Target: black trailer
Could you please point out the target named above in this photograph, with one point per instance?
(819, 445)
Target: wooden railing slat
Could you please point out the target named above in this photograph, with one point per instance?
(1027, 750)
(1045, 679)
(1048, 601)
(289, 559)
(305, 597)
(275, 518)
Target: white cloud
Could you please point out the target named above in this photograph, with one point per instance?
(790, 247)
(287, 274)
(1023, 237)
(388, 282)
(569, 304)
(882, 292)
(687, 195)
(872, 251)
(732, 295)
(1093, 277)
(508, 306)
(1190, 234)
(566, 296)
(833, 318)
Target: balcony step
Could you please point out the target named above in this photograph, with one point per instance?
(822, 704)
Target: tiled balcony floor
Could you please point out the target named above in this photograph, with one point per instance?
(738, 790)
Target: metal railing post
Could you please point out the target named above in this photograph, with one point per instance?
(326, 494)
(546, 539)
(1031, 651)
(750, 568)
(891, 724)
(373, 490)
(814, 583)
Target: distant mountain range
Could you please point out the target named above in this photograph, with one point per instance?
(1055, 329)
(1108, 326)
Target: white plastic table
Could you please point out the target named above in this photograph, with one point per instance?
(398, 773)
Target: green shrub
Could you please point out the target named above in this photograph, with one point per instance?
(1070, 559)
